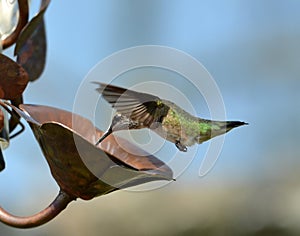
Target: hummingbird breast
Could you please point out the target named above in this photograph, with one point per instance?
(178, 125)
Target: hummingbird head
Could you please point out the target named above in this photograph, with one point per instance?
(121, 122)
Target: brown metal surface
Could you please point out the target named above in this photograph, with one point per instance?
(82, 169)
(58, 205)
(23, 19)
(13, 78)
(31, 45)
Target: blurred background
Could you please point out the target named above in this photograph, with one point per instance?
(251, 48)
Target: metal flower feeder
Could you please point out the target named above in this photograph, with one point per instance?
(81, 169)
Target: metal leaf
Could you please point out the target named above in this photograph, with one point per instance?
(8, 17)
(31, 45)
(92, 171)
(1, 120)
(2, 162)
(13, 78)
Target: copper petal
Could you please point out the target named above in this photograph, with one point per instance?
(109, 169)
(1, 119)
(31, 45)
(13, 78)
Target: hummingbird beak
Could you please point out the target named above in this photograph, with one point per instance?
(104, 136)
(233, 124)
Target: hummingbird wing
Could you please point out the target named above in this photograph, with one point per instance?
(141, 107)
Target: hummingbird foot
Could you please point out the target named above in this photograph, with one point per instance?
(180, 146)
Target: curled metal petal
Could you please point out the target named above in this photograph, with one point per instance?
(80, 168)
(31, 45)
(23, 18)
(13, 78)
(85, 174)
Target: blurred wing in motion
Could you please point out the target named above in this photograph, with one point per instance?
(141, 107)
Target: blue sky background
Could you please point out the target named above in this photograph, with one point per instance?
(251, 48)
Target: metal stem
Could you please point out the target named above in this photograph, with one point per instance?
(57, 206)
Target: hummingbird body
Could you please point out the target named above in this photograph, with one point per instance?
(137, 110)
(178, 126)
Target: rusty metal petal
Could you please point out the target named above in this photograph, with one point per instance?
(2, 163)
(92, 171)
(13, 78)
(23, 18)
(31, 45)
(1, 120)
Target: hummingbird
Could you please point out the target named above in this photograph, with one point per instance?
(137, 110)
